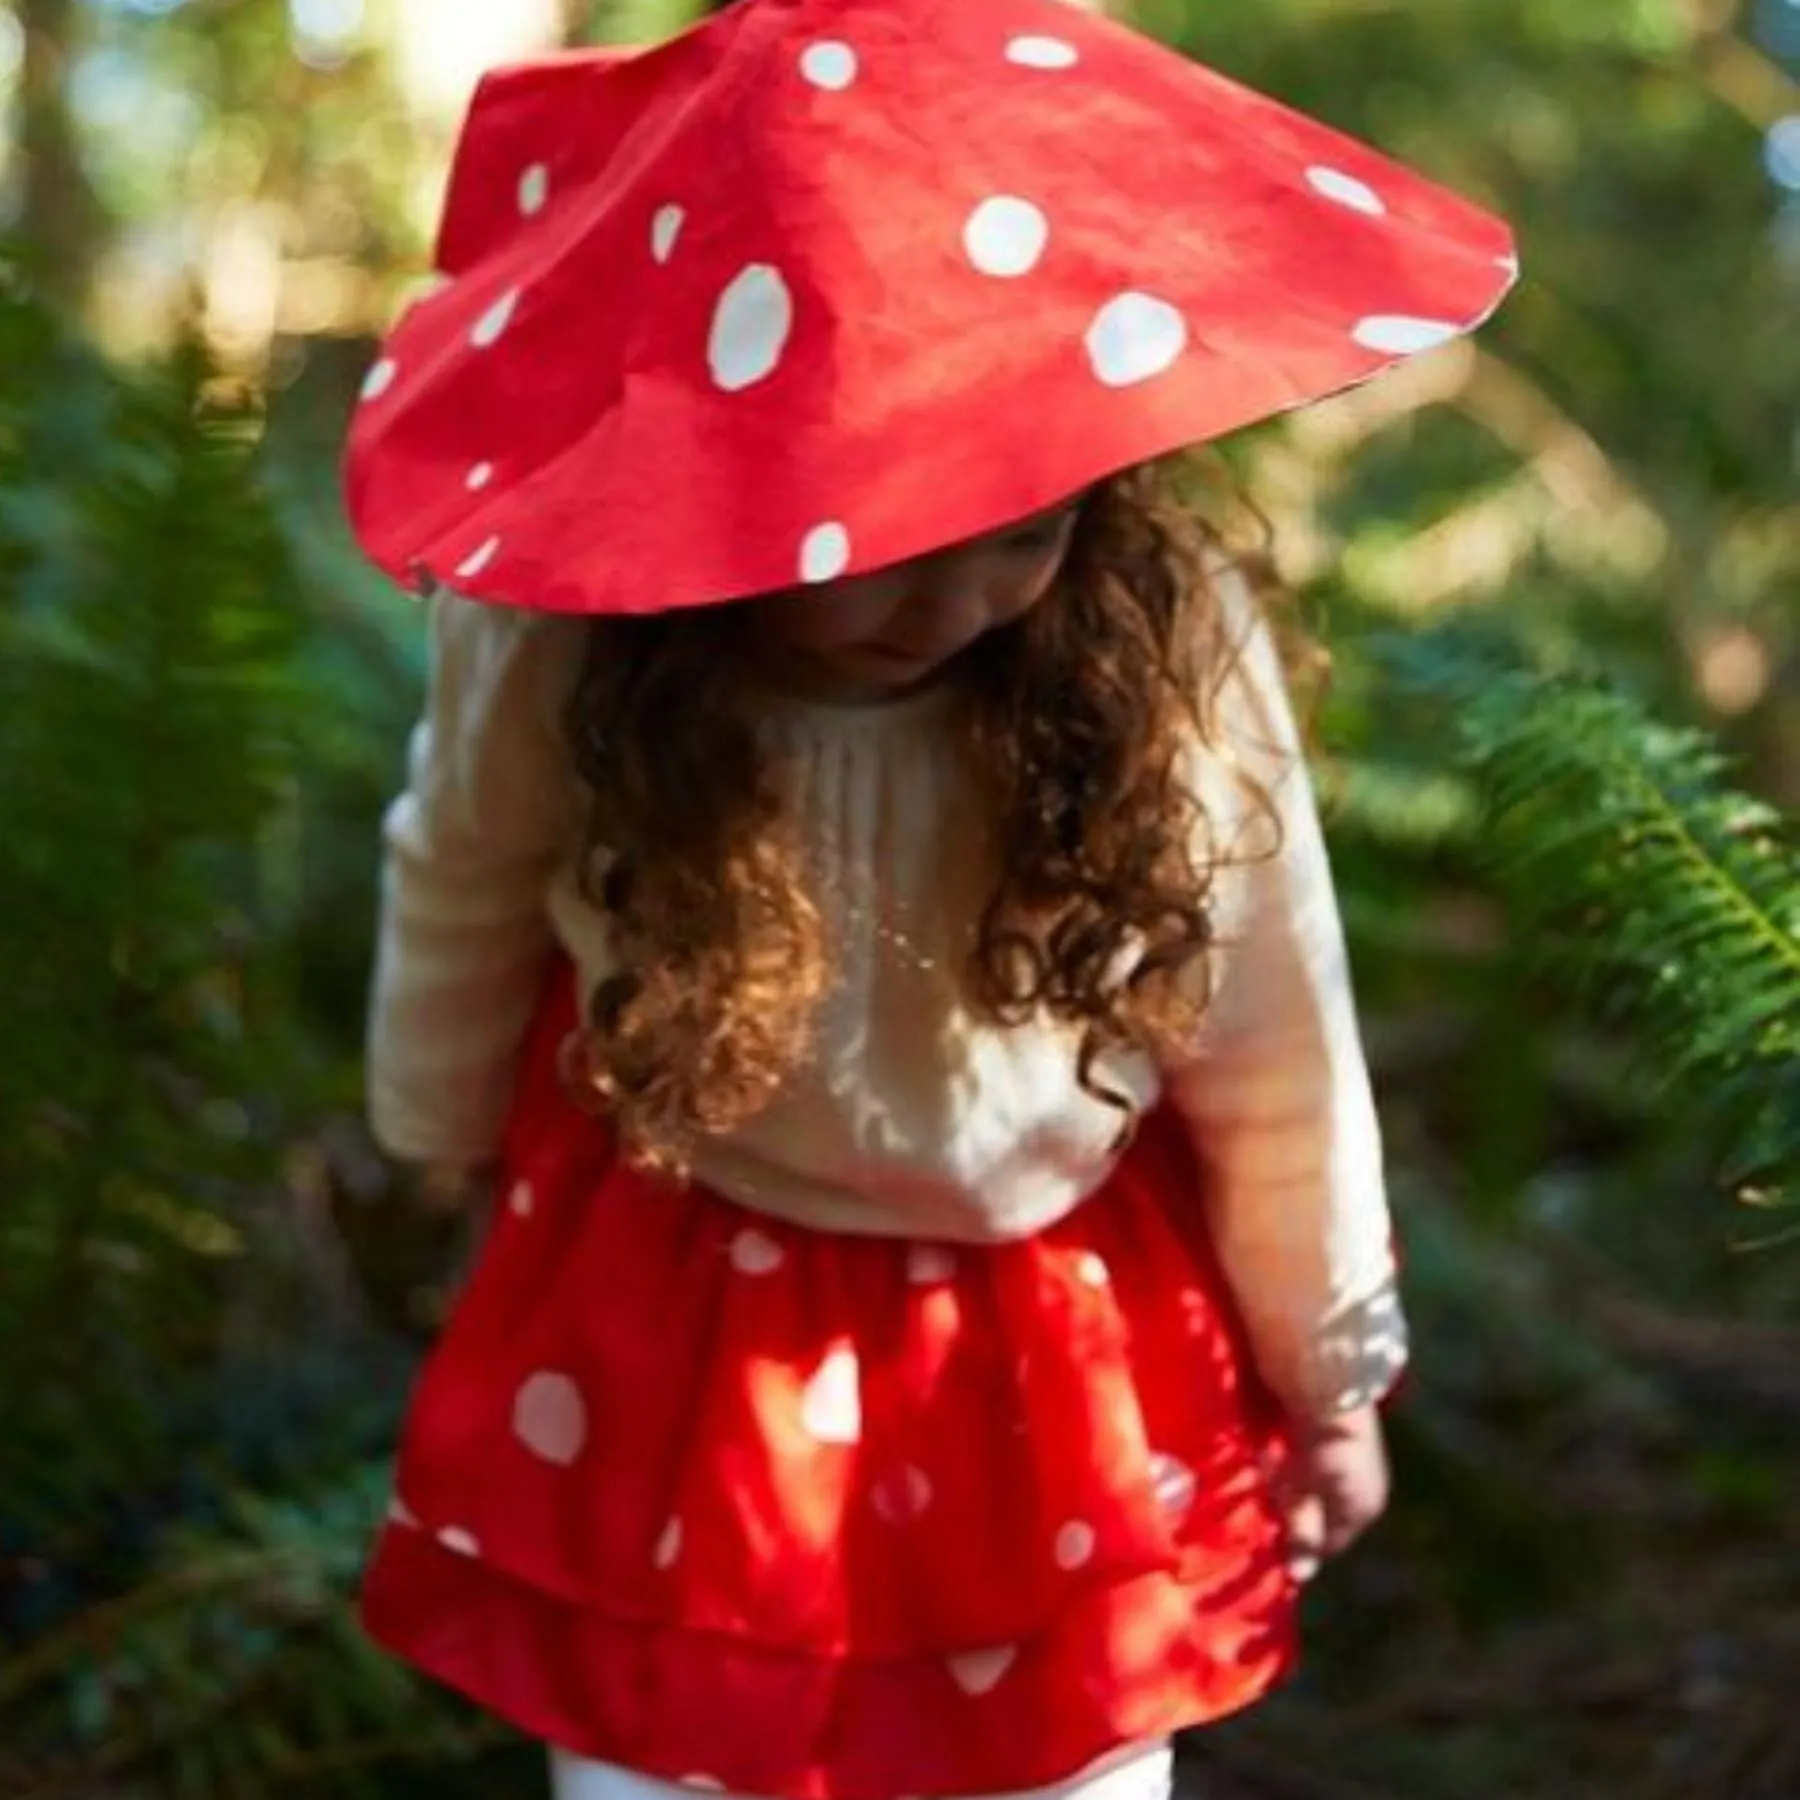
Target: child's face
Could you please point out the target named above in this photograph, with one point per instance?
(879, 633)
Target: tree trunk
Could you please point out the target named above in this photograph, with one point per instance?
(62, 220)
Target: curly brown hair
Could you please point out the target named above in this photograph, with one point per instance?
(1104, 859)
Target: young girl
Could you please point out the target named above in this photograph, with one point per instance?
(859, 905)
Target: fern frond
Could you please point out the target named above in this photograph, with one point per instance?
(1666, 898)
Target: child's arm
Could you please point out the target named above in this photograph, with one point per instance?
(1278, 1098)
(470, 844)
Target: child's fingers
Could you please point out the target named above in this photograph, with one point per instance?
(1307, 1534)
(1354, 1498)
(1301, 1507)
(1342, 1529)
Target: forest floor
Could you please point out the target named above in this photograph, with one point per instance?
(1616, 1620)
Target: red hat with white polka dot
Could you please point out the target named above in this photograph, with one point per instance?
(821, 285)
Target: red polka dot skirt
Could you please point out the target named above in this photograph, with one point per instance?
(745, 1505)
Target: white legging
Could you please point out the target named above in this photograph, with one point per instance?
(1137, 1772)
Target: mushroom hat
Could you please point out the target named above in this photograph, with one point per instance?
(821, 285)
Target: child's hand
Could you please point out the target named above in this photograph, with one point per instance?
(409, 1230)
(463, 1197)
(452, 1190)
(1331, 1485)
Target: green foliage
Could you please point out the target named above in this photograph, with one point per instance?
(165, 700)
(234, 1667)
(1666, 900)
(148, 726)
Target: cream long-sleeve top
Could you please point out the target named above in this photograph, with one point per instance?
(915, 1116)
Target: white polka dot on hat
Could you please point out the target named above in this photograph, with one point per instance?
(1006, 236)
(751, 327)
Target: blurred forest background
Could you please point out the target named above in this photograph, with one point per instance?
(1560, 571)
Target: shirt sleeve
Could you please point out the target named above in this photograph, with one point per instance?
(469, 847)
(1276, 1090)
